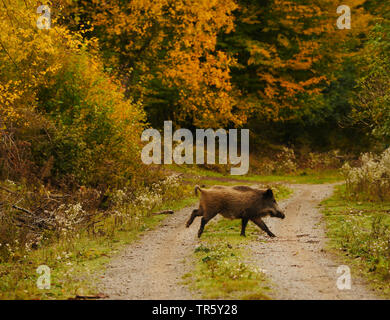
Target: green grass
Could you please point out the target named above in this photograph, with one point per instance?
(359, 232)
(306, 176)
(208, 182)
(221, 270)
(75, 264)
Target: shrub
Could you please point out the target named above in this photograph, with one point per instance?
(280, 161)
(54, 217)
(62, 118)
(327, 160)
(97, 130)
(371, 180)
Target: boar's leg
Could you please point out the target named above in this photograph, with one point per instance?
(260, 223)
(203, 223)
(244, 222)
(195, 213)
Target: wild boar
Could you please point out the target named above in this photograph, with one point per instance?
(237, 202)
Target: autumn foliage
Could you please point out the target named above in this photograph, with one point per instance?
(75, 98)
(62, 116)
(165, 53)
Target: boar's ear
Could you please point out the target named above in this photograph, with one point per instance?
(268, 194)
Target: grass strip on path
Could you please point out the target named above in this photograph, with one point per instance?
(221, 270)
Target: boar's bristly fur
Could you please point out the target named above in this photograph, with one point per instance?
(236, 202)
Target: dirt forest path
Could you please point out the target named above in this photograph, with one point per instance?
(152, 268)
(294, 261)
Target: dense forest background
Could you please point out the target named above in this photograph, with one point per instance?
(280, 68)
(76, 97)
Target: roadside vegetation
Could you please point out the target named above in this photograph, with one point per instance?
(358, 220)
(75, 243)
(222, 270)
(279, 165)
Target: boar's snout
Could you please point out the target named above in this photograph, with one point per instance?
(280, 215)
(275, 213)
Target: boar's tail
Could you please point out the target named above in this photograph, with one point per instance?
(196, 190)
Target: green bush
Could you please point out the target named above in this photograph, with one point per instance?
(95, 132)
